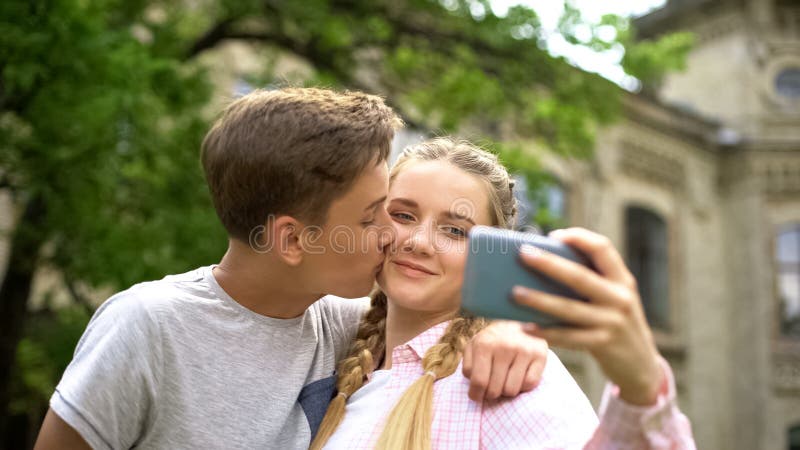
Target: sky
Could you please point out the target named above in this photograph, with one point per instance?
(606, 63)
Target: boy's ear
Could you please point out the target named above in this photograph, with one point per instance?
(288, 239)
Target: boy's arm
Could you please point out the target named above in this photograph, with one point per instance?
(57, 434)
(106, 393)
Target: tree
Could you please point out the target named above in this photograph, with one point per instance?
(100, 115)
(98, 145)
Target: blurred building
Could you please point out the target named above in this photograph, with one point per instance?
(699, 187)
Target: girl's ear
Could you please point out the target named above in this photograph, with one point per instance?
(287, 239)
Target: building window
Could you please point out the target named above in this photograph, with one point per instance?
(647, 258)
(525, 207)
(787, 255)
(556, 201)
(787, 83)
(793, 438)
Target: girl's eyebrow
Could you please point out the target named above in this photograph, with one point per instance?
(405, 201)
(412, 204)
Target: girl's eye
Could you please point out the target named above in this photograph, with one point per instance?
(456, 231)
(402, 216)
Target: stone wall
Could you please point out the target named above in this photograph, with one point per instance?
(737, 382)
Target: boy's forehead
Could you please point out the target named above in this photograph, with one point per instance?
(371, 186)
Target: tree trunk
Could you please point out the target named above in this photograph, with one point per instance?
(14, 292)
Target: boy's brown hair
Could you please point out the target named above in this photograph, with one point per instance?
(291, 151)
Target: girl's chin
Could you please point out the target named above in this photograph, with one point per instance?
(411, 297)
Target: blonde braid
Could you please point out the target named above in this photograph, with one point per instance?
(352, 371)
(409, 424)
(443, 358)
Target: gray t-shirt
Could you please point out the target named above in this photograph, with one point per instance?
(177, 363)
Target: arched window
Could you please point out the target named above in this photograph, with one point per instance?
(525, 207)
(556, 196)
(787, 83)
(793, 438)
(787, 255)
(647, 257)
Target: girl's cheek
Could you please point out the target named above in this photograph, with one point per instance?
(456, 258)
(401, 233)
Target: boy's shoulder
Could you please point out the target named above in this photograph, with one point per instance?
(348, 310)
(159, 296)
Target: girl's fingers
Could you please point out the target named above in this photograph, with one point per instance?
(600, 251)
(573, 338)
(572, 311)
(583, 281)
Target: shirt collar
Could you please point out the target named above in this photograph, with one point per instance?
(416, 348)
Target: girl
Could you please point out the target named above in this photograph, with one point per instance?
(414, 332)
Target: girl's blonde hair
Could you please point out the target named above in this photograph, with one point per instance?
(409, 424)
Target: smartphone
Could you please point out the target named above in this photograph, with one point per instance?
(494, 268)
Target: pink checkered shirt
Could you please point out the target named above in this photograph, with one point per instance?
(555, 415)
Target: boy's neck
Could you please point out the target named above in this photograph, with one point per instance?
(262, 284)
(403, 325)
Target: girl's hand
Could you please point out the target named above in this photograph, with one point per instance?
(611, 326)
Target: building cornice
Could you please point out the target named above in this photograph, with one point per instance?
(682, 14)
(684, 125)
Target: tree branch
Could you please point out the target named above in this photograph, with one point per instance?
(5, 183)
(77, 297)
(433, 30)
(210, 38)
(324, 60)
(225, 31)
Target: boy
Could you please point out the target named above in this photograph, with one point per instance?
(242, 354)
